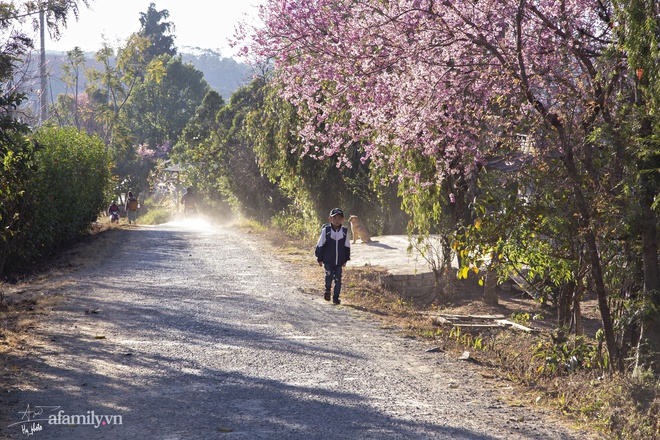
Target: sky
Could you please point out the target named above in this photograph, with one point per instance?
(199, 23)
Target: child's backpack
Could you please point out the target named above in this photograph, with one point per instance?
(132, 204)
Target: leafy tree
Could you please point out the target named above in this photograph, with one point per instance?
(109, 89)
(314, 186)
(203, 124)
(639, 36)
(56, 14)
(139, 101)
(68, 104)
(15, 43)
(193, 151)
(236, 152)
(163, 103)
(457, 82)
(224, 166)
(154, 29)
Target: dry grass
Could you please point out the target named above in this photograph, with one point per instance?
(22, 312)
(31, 295)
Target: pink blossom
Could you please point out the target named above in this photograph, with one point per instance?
(450, 81)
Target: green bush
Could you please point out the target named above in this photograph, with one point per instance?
(296, 225)
(66, 192)
(156, 216)
(16, 170)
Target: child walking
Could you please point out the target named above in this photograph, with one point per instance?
(333, 251)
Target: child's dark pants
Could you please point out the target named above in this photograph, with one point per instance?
(333, 272)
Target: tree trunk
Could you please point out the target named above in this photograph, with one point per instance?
(594, 258)
(564, 303)
(490, 285)
(650, 329)
(577, 312)
(650, 247)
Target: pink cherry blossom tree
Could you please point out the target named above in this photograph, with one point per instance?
(450, 82)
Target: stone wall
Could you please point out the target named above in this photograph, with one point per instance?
(418, 288)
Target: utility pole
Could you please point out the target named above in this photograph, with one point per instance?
(43, 97)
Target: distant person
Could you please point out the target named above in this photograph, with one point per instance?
(332, 252)
(113, 212)
(131, 208)
(189, 202)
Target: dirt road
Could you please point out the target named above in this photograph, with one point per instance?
(187, 333)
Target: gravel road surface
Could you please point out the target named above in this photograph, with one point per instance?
(181, 332)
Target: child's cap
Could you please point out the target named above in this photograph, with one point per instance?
(336, 211)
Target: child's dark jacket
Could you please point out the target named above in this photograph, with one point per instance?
(334, 247)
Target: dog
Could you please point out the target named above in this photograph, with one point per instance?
(358, 230)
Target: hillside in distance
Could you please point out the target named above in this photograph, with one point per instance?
(224, 75)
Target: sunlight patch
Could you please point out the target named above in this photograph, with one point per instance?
(197, 223)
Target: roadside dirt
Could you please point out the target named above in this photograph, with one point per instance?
(72, 344)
